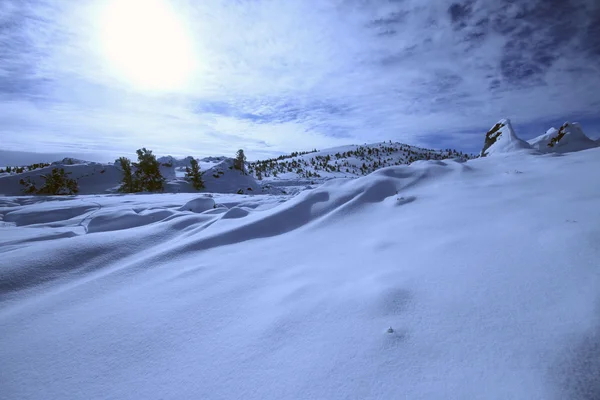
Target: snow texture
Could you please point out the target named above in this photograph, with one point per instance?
(438, 280)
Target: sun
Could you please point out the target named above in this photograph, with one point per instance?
(146, 43)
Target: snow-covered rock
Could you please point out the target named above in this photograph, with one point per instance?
(502, 139)
(199, 205)
(569, 137)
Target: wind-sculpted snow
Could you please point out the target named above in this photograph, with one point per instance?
(436, 280)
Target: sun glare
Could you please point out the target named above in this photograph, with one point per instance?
(147, 44)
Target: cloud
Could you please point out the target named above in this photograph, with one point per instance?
(280, 76)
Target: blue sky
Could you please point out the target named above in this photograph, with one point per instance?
(208, 77)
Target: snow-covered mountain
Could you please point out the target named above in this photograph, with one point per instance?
(440, 279)
(569, 137)
(502, 139)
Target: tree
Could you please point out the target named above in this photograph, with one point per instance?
(128, 185)
(58, 183)
(147, 172)
(193, 174)
(239, 161)
(29, 186)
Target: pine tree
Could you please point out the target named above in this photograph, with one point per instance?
(128, 185)
(193, 174)
(239, 161)
(147, 172)
(29, 186)
(58, 182)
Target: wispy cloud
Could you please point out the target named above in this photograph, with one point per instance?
(272, 75)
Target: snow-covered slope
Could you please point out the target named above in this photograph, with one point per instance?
(569, 137)
(346, 161)
(487, 273)
(502, 139)
(91, 177)
(224, 178)
(97, 178)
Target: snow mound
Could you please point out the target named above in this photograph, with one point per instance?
(502, 139)
(199, 205)
(111, 220)
(569, 137)
(236, 212)
(224, 178)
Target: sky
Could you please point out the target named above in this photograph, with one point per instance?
(187, 77)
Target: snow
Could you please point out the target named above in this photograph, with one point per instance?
(569, 137)
(502, 139)
(441, 279)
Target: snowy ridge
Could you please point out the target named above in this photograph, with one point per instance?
(279, 297)
(346, 161)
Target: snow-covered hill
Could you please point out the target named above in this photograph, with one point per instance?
(442, 279)
(346, 161)
(569, 137)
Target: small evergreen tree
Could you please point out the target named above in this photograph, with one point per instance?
(193, 174)
(58, 182)
(240, 159)
(147, 172)
(128, 185)
(29, 187)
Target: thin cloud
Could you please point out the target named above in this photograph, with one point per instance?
(280, 76)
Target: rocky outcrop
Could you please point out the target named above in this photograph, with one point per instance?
(569, 137)
(502, 139)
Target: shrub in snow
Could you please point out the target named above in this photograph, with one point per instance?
(192, 173)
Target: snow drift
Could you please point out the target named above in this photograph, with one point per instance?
(489, 283)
